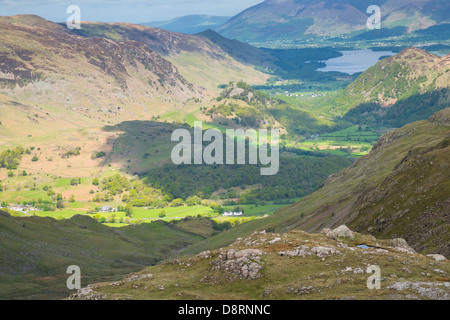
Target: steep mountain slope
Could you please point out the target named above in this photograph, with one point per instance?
(401, 187)
(300, 19)
(407, 87)
(412, 71)
(189, 24)
(35, 252)
(240, 51)
(290, 266)
(199, 60)
(43, 64)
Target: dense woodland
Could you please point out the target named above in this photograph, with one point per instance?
(298, 176)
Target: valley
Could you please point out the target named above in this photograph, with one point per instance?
(87, 175)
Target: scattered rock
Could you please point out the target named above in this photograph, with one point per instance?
(324, 251)
(87, 293)
(437, 257)
(300, 290)
(301, 251)
(136, 277)
(204, 255)
(274, 241)
(431, 290)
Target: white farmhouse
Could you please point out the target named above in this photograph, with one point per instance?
(232, 214)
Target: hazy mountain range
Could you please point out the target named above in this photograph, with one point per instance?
(302, 19)
(189, 24)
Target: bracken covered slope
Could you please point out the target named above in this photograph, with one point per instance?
(42, 63)
(204, 62)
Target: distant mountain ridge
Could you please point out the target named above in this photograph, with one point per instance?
(190, 24)
(303, 19)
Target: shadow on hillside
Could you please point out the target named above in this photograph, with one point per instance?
(414, 108)
(141, 145)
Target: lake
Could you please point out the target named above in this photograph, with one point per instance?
(354, 61)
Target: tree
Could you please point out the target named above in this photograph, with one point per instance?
(215, 206)
(193, 201)
(162, 214)
(177, 203)
(60, 204)
(95, 182)
(35, 158)
(129, 210)
(72, 198)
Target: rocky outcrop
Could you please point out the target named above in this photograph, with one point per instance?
(401, 245)
(244, 264)
(437, 257)
(340, 232)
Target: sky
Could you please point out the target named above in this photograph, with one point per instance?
(133, 11)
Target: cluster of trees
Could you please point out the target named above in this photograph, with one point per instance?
(297, 177)
(244, 116)
(40, 204)
(10, 158)
(99, 154)
(75, 152)
(136, 193)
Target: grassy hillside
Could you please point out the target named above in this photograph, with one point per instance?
(35, 252)
(413, 71)
(290, 266)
